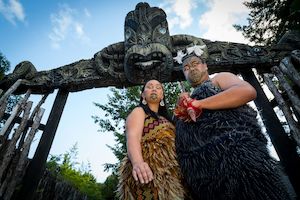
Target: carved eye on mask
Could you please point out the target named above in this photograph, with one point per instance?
(161, 34)
(127, 34)
(162, 30)
(130, 37)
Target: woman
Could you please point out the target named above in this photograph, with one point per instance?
(150, 171)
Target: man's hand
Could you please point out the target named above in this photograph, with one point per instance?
(141, 172)
(183, 98)
(185, 110)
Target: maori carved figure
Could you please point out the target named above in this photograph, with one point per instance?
(147, 52)
(147, 45)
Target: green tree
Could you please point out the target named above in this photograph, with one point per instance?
(4, 65)
(13, 99)
(120, 103)
(65, 167)
(269, 20)
(109, 187)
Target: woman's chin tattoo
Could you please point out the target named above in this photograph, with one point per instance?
(153, 96)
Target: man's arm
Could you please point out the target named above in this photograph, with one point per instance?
(236, 92)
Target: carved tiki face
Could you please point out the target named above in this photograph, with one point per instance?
(147, 45)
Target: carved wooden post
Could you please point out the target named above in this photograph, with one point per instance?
(285, 148)
(36, 167)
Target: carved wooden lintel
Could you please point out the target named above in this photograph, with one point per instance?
(146, 53)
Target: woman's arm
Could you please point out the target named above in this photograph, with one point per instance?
(236, 92)
(134, 129)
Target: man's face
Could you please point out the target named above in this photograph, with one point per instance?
(195, 71)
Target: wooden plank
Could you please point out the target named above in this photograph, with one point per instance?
(12, 145)
(18, 121)
(33, 114)
(286, 86)
(15, 112)
(287, 67)
(10, 91)
(22, 162)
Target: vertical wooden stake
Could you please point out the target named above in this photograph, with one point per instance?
(36, 167)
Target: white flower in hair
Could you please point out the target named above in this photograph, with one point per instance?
(179, 56)
(197, 49)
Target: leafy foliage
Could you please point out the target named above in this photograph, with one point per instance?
(65, 167)
(120, 103)
(4, 65)
(269, 20)
(109, 187)
(13, 99)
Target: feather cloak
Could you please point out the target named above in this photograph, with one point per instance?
(158, 150)
(224, 155)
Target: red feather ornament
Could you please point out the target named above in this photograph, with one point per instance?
(186, 111)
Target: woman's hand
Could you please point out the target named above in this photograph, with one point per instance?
(141, 172)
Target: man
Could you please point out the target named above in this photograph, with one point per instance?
(221, 150)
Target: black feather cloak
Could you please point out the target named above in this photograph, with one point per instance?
(224, 155)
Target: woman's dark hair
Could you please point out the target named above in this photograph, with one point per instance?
(162, 110)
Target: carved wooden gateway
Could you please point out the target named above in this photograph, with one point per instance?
(147, 52)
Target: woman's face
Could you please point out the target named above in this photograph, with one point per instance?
(153, 91)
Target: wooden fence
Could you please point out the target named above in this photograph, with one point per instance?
(16, 136)
(284, 83)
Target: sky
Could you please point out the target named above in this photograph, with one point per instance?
(54, 33)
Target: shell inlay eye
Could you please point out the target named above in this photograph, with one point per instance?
(127, 34)
(256, 49)
(162, 30)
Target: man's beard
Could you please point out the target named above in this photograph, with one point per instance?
(196, 77)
